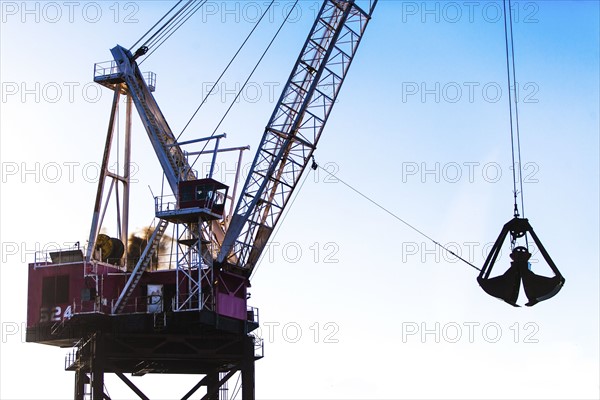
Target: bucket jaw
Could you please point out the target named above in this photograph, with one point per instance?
(507, 286)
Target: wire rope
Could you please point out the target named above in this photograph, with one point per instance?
(514, 122)
(155, 25)
(173, 28)
(225, 70)
(251, 74)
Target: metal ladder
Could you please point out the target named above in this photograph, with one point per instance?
(141, 266)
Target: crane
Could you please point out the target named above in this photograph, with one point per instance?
(123, 316)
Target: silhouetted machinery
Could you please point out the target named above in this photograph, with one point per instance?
(507, 286)
(124, 314)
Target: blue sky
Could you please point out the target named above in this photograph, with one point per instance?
(419, 127)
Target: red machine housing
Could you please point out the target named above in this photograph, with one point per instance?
(59, 292)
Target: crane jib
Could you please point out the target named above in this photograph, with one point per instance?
(294, 129)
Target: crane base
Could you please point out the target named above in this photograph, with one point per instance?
(217, 357)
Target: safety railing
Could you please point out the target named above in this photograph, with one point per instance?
(72, 359)
(259, 347)
(81, 306)
(106, 69)
(170, 203)
(150, 79)
(142, 304)
(252, 314)
(57, 255)
(164, 204)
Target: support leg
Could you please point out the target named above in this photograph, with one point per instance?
(97, 375)
(79, 384)
(248, 370)
(213, 385)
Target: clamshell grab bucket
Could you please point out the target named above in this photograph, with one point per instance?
(507, 286)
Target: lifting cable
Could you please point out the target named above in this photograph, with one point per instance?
(154, 26)
(225, 70)
(398, 218)
(314, 167)
(507, 286)
(292, 9)
(172, 25)
(174, 28)
(167, 26)
(250, 75)
(512, 99)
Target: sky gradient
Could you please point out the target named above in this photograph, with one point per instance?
(353, 303)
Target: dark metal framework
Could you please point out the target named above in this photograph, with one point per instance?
(507, 285)
(106, 353)
(217, 351)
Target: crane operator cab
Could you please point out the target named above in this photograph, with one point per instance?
(197, 198)
(205, 194)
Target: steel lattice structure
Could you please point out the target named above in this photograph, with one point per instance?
(294, 129)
